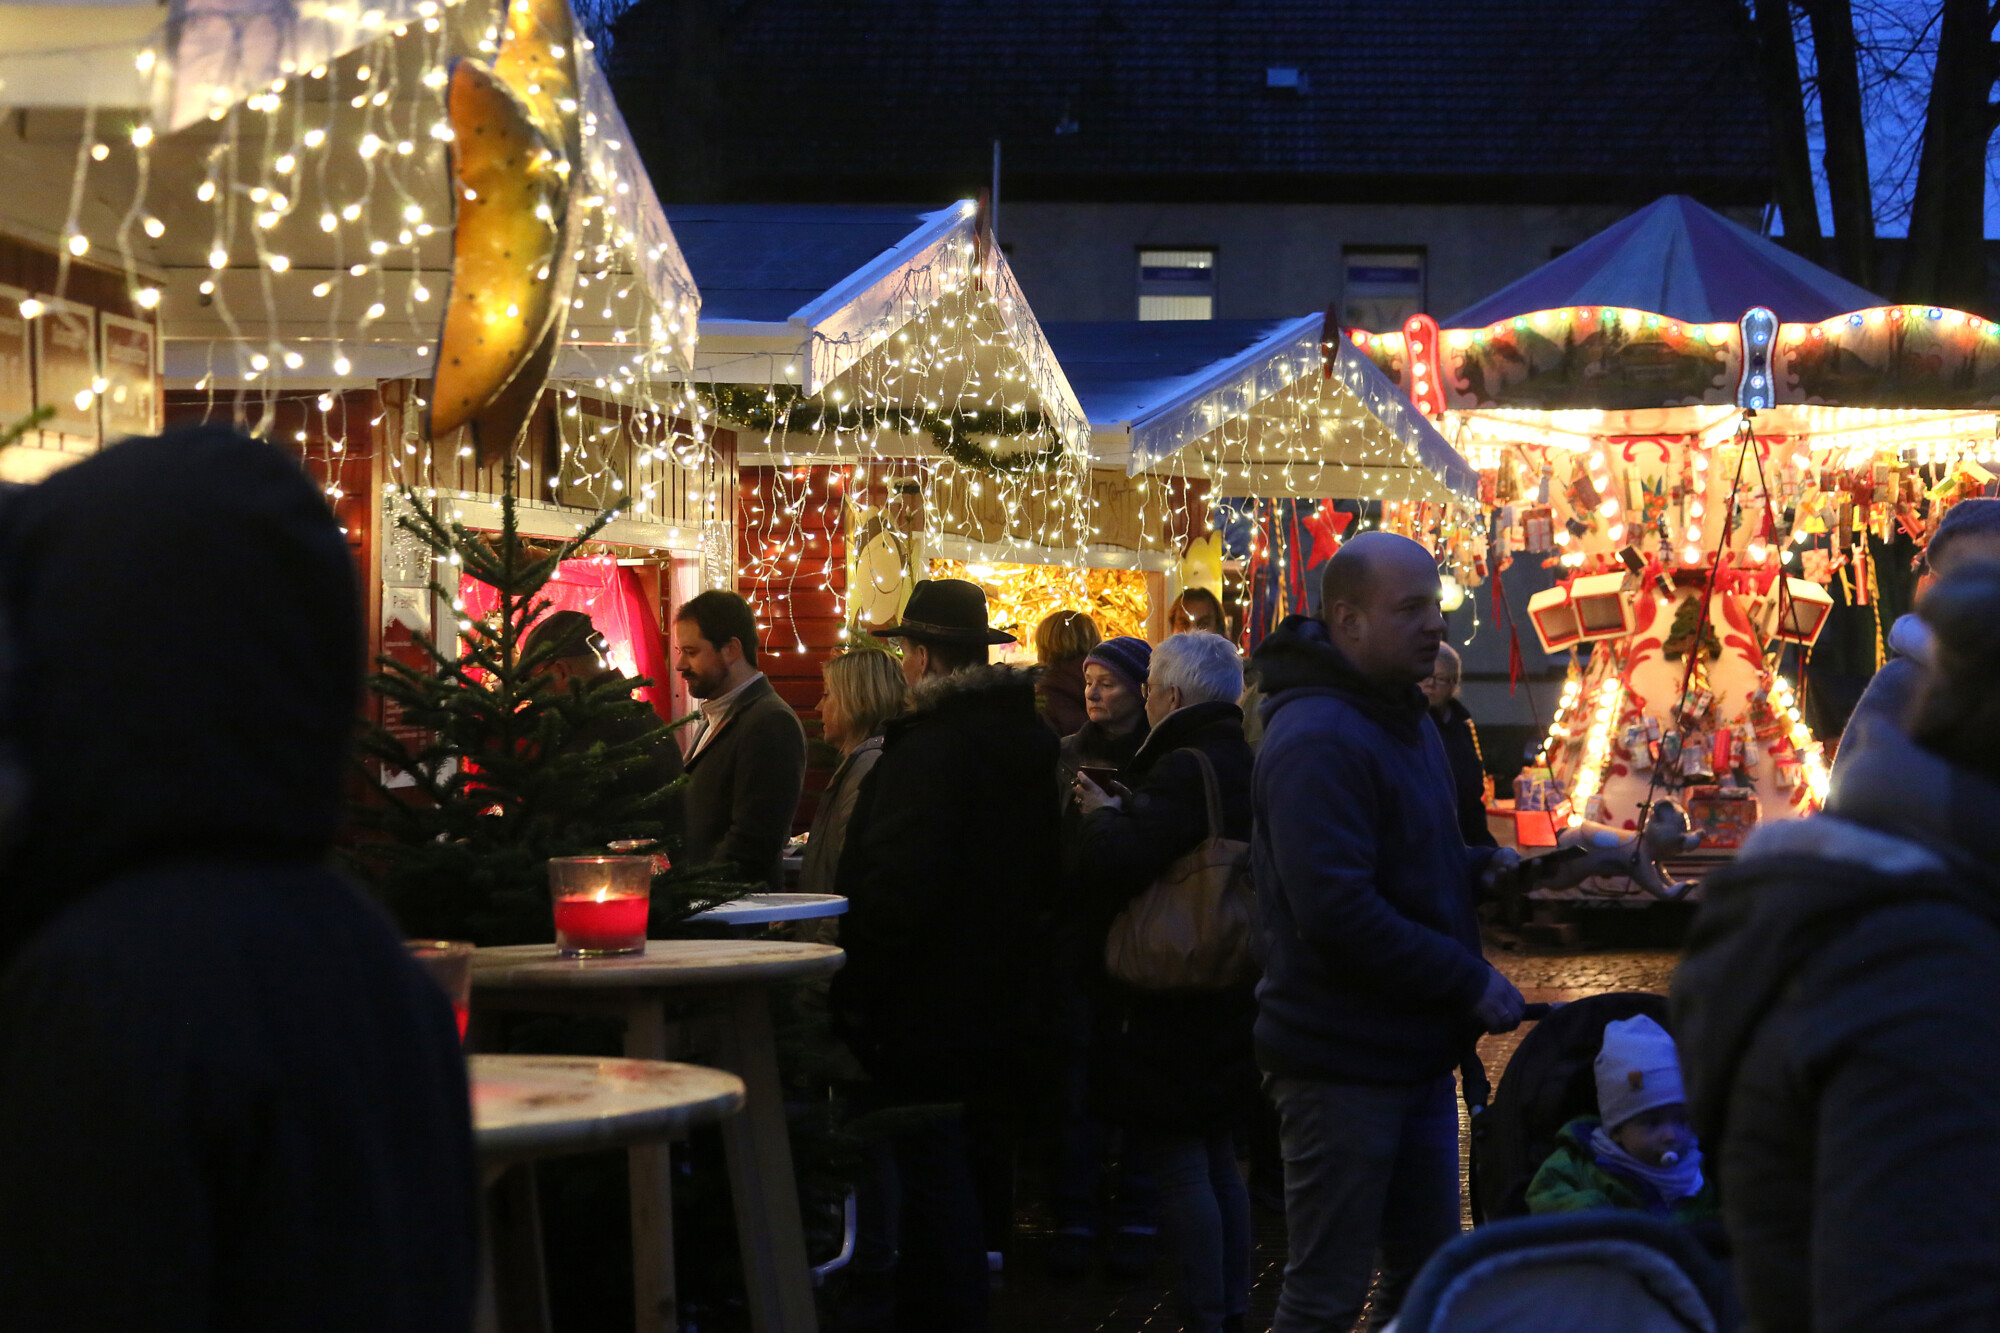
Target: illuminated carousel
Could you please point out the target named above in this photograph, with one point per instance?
(1704, 489)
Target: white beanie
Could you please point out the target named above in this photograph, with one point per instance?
(1637, 1070)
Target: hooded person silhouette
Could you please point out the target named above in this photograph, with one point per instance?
(230, 1099)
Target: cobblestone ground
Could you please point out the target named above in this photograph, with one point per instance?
(1028, 1301)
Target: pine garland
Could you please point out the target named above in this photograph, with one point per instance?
(14, 433)
(952, 431)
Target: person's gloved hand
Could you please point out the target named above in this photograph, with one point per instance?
(1500, 1008)
(1498, 866)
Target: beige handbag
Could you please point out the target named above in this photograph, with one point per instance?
(1191, 928)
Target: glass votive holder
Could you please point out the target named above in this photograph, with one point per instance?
(449, 963)
(600, 904)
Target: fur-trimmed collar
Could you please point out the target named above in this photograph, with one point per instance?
(994, 683)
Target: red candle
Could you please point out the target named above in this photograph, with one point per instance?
(601, 925)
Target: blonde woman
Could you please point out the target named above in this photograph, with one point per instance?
(864, 689)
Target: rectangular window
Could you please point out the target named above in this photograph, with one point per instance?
(1380, 287)
(1177, 284)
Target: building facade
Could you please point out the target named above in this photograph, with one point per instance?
(1214, 158)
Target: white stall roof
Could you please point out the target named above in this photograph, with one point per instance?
(1158, 387)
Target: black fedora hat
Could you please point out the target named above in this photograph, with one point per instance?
(949, 610)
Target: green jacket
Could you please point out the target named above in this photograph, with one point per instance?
(1571, 1181)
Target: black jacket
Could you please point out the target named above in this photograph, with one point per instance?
(1364, 886)
(952, 844)
(1468, 773)
(1838, 1012)
(743, 788)
(230, 1098)
(1181, 1063)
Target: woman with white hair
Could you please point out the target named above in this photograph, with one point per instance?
(1174, 1069)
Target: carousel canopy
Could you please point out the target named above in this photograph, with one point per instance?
(1678, 259)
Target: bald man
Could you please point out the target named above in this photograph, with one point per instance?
(1374, 988)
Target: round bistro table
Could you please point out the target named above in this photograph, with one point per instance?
(528, 1107)
(732, 978)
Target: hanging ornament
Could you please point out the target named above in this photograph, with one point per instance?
(516, 181)
(510, 202)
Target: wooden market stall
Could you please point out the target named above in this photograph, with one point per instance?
(1273, 423)
(269, 192)
(898, 415)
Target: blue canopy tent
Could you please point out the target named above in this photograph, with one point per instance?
(1675, 258)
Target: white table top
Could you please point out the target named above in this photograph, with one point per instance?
(546, 1105)
(752, 908)
(664, 964)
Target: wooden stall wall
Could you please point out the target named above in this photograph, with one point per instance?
(780, 513)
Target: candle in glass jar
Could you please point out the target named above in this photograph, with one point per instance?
(601, 924)
(600, 904)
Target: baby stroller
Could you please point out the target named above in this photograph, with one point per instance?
(1570, 1273)
(1550, 1081)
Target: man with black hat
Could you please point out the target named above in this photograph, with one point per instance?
(952, 840)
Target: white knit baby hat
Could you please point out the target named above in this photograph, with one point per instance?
(1637, 1070)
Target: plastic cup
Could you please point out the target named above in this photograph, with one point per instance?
(449, 963)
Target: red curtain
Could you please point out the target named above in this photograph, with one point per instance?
(614, 599)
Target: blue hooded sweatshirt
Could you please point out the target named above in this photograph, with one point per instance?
(1364, 885)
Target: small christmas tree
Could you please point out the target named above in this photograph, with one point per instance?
(503, 776)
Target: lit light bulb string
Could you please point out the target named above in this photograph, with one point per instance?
(1804, 743)
(1747, 441)
(922, 379)
(390, 126)
(1310, 409)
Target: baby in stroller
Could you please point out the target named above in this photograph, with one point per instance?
(1638, 1152)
